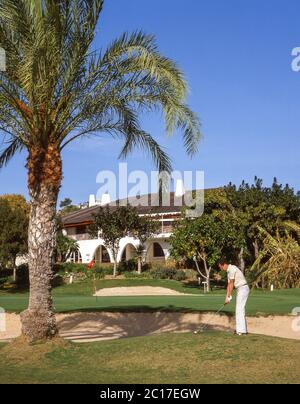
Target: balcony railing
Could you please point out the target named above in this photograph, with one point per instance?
(80, 237)
(163, 229)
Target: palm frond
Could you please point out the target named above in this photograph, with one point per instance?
(295, 227)
(57, 89)
(278, 261)
(144, 141)
(13, 146)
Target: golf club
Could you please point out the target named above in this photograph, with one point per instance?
(205, 327)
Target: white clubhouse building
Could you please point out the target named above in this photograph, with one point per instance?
(75, 226)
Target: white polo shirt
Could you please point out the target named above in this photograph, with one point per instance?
(234, 273)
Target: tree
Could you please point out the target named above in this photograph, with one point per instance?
(256, 206)
(14, 215)
(279, 259)
(65, 203)
(56, 89)
(113, 225)
(65, 246)
(66, 206)
(204, 239)
(143, 229)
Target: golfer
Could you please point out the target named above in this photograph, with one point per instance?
(236, 280)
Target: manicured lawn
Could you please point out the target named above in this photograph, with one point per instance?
(78, 297)
(170, 358)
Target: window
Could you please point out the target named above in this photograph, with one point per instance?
(168, 223)
(81, 230)
(105, 256)
(167, 226)
(76, 257)
(157, 251)
(101, 255)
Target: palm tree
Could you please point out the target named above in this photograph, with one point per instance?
(57, 89)
(279, 260)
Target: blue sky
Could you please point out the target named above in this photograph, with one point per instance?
(237, 58)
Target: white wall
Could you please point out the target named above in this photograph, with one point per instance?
(88, 248)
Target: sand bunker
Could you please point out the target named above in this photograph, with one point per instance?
(89, 327)
(138, 291)
(13, 327)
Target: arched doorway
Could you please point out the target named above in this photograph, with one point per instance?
(128, 253)
(101, 255)
(155, 252)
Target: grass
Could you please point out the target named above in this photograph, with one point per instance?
(78, 297)
(170, 358)
(166, 358)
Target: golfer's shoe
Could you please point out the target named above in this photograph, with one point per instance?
(240, 333)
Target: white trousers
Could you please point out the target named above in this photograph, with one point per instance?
(240, 316)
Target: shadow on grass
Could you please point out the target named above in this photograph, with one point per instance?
(15, 288)
(141, 309)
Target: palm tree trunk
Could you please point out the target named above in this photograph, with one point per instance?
(38, 321)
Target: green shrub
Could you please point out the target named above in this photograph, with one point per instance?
(127, 266)
(81, 271)
(57, 280)
(168, 273)
(159, 273)
(146, 266)
(108, 269)
(4, 280)
(180, 275)
(89, 274)
(191, 274)
(157, 265)
(101, 271)
(77, 277)
(5, 272)
(136, 275)
(68, 267)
